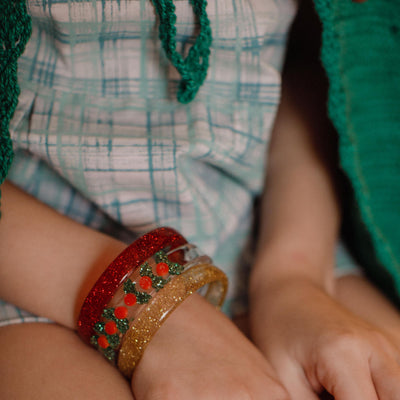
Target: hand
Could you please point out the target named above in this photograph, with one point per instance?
(199, 354)
(314, 344)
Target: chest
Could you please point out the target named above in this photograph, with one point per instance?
(234, 23)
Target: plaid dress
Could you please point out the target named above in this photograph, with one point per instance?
(99, 135)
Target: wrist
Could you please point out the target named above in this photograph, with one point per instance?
(103, 250)
(284, 302)
(274, 267)
(140, 289)
(268, 294)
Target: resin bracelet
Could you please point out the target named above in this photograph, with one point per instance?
(161, 239)
(138, 289)
(160, 307)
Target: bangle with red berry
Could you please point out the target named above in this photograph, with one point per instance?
(130, 284)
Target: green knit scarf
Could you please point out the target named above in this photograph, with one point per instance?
(361, 54)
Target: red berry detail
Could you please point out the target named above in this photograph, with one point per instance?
(111, 328)
(121, 312)
(130, 299)
(162, 269)
(103, 342)
(145, 282)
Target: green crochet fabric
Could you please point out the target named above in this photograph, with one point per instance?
(15, 30)
(361, 54)
(193, 68)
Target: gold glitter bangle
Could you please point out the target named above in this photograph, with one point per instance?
(160, 308)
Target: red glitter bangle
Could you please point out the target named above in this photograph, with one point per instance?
(131, 258)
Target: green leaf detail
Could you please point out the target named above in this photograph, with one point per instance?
(161, 256)
(158, 282)
(108, 313)
(175, 268)
(109, 353)
(122, 325)
(145, 270)
(113, 340)
(142, 297)
(99, 327)
(93, 341)
(129, 287)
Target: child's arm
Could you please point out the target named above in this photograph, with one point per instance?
(310, 339)
(48, 264)
(300, 211)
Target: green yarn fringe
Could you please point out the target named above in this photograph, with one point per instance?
(193, 68)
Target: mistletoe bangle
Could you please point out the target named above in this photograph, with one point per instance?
(130, 259)
(159, 308)
(136, 291)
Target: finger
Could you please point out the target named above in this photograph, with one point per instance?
(348, 379)
(268, 382)
(274, 389)
(385, 373)
(300, 390)
(293, 378)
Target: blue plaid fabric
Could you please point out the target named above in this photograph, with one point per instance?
(100, 136)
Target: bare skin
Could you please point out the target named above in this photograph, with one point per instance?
(192, 353)
(43, 361)
(304, 323)
(314, 341)
(363, 299)
(195, 337)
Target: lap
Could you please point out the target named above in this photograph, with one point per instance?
(46, 361)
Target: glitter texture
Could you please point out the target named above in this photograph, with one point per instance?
(123, 314)
(161, 306)
(130, 259)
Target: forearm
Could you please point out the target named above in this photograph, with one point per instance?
(300, 211)
(48, 262)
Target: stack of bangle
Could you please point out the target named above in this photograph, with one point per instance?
(140, 289)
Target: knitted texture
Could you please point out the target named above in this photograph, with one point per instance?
(193, 68)
(15, 30)
(361, 54)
